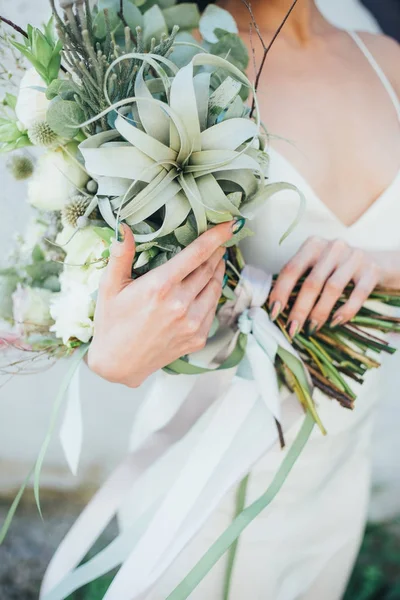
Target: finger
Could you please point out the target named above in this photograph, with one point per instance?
(198, 280)
(209, 297)
(305, 258)
(312, 288)
(202, 312)
(333, 290)
(119, 269)
(198, 252)
(363, 289)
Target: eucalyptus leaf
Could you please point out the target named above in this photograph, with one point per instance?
(231, 47)
(214, 18)
(65, 117)
(185, 15)
(154, 24)
(186, 234)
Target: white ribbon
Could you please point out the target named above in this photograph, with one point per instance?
(71, 432)
(194, 438)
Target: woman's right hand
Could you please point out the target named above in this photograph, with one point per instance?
(145, 324)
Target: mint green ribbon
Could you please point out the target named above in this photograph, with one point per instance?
(232, 533)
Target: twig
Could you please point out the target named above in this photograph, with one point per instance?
(125, 24)
(14, 26)
(265, 47)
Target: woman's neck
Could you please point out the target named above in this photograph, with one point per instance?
(304, 22)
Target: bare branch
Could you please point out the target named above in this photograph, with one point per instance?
(265, 47)
(14, 26)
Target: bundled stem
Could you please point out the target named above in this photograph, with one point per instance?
(335, 356)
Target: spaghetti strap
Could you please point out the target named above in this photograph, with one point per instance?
(379, 71)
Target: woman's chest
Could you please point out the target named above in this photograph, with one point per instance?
(333, 119)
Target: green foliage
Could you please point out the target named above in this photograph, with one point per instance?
(65, 117)
(11, 137)
(43, 51)
(154, 24)
(214, 18)
(8, 284)
(231, 47)
(185, 15)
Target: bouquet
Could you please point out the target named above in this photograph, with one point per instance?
(141, 123)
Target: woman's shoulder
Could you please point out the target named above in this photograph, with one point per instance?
(386, 52)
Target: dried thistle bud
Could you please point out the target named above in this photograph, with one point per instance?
(74, 211)
(41, 134)
(20, 166)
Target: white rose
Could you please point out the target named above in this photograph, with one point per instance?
(31, 309)
(82, 264)
(57, 177)
(73, 311)
(32, 103)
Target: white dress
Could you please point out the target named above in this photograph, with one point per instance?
(304, 544)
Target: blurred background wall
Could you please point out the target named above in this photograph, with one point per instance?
(25, 402)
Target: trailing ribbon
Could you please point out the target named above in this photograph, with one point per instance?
(194, 438)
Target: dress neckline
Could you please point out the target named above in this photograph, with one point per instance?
(386, 193)
(311, 193)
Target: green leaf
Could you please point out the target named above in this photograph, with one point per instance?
(53, 89)
(10, 100)
(214, 18)
(186, 234)
(105, 233)
(61, 87)
(41, 48)
(65, 117)
(154, 24)
(184, 50)
(37, 254)
(185, 15)
(231, 47)
(9, 131)
(133, 16)
(8, 285)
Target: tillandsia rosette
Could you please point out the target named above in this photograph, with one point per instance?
(141, 123)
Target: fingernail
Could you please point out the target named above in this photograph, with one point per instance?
(238, 224)
(226, 256)
(336, 321)
(312, 327)
(225, 280)
(275, 310)
(293, 328)
(121, 234)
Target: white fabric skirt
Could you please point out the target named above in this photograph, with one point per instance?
(305, 543)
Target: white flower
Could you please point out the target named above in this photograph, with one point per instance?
(33, 236)
(57, 177)
(31, 309)
(32, 103)
(73, 311)
(83, 263)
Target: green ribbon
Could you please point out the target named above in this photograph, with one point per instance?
(240, 505)
(183, 367)
(232, 533)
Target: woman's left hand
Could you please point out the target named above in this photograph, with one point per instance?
(332, 265)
